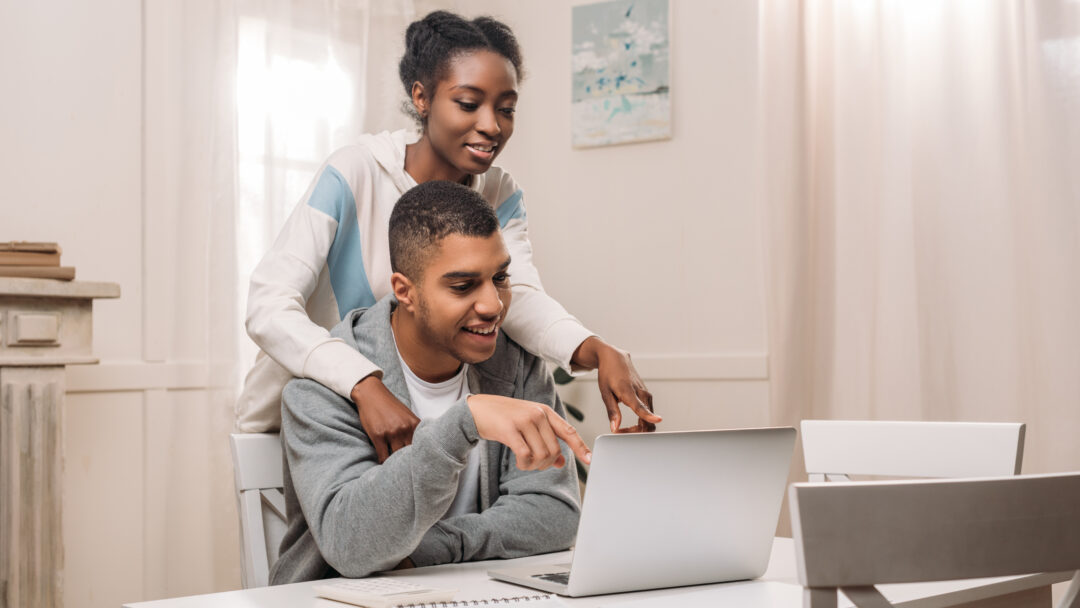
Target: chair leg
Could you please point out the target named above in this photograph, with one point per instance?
(819, 597)
(1071, 599)
(866, 597)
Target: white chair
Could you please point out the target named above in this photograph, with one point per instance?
(834, 449)
(257, 466)
(852, 536)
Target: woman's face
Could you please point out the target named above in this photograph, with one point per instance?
(471, 111)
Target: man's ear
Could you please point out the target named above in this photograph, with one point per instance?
(404, 290)
(419, 99)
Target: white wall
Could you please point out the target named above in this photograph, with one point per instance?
(655, 246)
(148, 510)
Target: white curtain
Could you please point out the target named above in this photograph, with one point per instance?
(244, 101)
(191, 311)
(919, 171)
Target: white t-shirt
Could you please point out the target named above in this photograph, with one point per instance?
(431, 401)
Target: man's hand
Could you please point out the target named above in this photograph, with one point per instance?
(619, 383)
(531, 430)
(389, 424)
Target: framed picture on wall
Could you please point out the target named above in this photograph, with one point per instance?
(621, 73)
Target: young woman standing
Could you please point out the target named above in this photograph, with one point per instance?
(332, 254)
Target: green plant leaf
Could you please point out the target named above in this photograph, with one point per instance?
(582, 472)
(574, 412)
(562, 376)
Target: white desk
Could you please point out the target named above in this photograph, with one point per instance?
(778, 588)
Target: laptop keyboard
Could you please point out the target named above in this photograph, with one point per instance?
(563, 578)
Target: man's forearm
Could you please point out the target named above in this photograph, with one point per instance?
(366, 517)
(515, 526)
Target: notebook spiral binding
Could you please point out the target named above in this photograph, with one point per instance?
(495, 601)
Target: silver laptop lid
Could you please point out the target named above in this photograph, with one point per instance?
(680, 508)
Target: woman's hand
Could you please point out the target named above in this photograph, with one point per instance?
(388, 422)
(619, 383)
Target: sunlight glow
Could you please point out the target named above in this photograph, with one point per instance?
(299, 100)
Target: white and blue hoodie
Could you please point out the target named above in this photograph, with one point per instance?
(333, 255)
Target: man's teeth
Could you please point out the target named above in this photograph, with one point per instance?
(482, 332)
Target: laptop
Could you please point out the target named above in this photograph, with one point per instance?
(672, 509)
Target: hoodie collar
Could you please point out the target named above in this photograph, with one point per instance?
(368, 331)
(388, 148)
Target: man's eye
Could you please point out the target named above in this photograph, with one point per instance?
(468, 106)
(502, 278)
(461, 287)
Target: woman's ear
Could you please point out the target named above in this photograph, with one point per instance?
(419, 99)
(404, 290)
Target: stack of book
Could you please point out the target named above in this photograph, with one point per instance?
(33, 260)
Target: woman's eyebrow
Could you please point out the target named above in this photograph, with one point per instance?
(480, 91)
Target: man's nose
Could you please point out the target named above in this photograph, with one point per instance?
(489, 304)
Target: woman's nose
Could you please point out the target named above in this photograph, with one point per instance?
(487, 123)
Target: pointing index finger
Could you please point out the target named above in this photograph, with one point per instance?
(567, 433)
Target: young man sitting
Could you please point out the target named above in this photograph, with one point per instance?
(486, 475)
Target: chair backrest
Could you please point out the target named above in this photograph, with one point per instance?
(834, 449)
(851, 536)
(257, 468)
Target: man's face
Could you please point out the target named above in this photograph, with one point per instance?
(463, 296)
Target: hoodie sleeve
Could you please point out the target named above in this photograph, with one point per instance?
(277, 318)
(366, 517)
(536, 511)
(536, 321)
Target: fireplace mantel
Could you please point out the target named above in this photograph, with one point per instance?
(45, 325)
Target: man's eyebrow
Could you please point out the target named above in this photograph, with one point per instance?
(460, 274)
(465, 274)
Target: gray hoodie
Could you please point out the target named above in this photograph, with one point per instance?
(350, 516)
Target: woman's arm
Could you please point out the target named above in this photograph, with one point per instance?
(279, 323)
(284, 280)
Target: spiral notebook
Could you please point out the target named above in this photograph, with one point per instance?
(396, 593)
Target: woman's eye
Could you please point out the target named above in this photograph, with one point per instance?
(508, 111)
(468, 106)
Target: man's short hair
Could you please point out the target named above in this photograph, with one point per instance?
(430, 212)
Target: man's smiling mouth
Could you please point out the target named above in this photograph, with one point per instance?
(483, 330)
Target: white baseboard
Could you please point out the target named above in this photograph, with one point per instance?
(144, 375)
